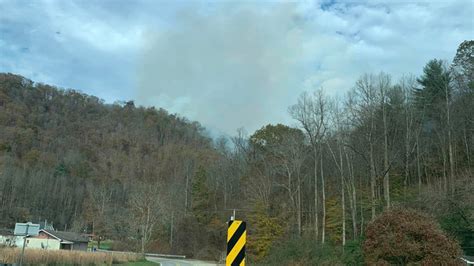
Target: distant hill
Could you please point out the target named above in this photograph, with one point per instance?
(58, 147)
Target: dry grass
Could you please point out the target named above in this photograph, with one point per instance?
(66, 257)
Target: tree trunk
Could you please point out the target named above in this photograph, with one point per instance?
(407, 156)
(452, 175)
(353, 198)
(171, 230)
(225, 193)
(186, 194)
(323, 231)
(342, 197)
(354, 210)
(386, 179)
(372, 178)
(466, 146)
(418, 165)
(450, 145)
(361, 220)
(316, 223)
(298, 208)
(445, 178)
(292, 203)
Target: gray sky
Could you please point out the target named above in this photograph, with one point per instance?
(226, 64)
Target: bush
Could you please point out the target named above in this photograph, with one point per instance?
(406, 236)
(352, 254)
(456, 221)
(301, 251)
(454, 211)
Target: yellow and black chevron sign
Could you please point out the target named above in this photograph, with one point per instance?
(236, 238)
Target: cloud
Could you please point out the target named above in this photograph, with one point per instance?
(226, 64)
(66, 44)
(372, 36)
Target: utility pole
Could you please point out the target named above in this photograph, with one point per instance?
(171, 231)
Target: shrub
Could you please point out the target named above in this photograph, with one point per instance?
(406, 236)
(302, 251)
(352, 254)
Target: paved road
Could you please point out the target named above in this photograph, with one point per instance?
(180, 262)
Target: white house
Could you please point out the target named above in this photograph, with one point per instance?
(39, 243)
(49, 239)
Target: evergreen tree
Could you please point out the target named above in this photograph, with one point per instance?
(200, 194)
(431, 97)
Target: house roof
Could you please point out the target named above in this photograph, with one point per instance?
(66, 236)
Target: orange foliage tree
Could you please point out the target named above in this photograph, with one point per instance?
(403, 237)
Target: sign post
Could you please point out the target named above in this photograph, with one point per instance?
(24, 244)
(25, 230)
(236, 239)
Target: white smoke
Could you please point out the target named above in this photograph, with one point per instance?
(227, 69)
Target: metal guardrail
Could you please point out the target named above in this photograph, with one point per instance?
(147, 254)
(165, 256)
(113, 251)
(468, 260)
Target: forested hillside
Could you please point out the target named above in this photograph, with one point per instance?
(156, 181)
(72, 160)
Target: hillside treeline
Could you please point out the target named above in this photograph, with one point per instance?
(70, 159)
(156, 182)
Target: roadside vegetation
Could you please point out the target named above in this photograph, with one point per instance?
(307, 251)
(66, 257)
(104, 244)
(396, 237)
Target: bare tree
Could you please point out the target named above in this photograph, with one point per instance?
(145, 204)
(412, 130)
(310, 112)
(291, 154)
(366, 116)
(448, 95)
(338, 131)
(383, 84)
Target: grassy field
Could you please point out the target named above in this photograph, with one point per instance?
(67, 257)
(105, 244)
